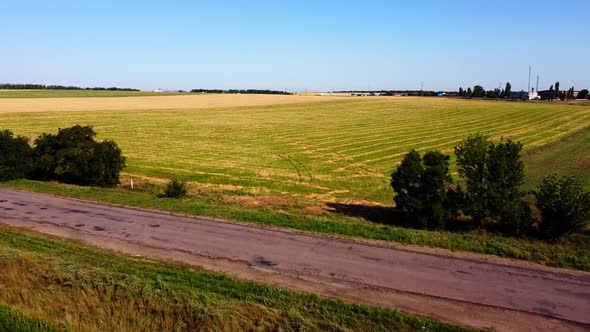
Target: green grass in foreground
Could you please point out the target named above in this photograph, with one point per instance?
(79, 93)
(570, 252)
(14, 321)
(82, 288)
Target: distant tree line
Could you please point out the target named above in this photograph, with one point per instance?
(9, 86)
(490, 194)
(70, 156)
(247, 91)
(414, 93)
(479, 92)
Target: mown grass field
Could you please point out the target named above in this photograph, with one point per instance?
(48, 284)
(342, 150)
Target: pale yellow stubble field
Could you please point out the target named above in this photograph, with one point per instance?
(21, 105)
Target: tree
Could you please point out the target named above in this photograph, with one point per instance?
(15, 156)
(551, 93)
(583, 94)
(472, 161)
(557, 91)
(461, 92)
(493, 174)
(421, 187)
(570, 93)
(507, 90)
(73, 156)
(564, 206)
(478, 91)
(505, 175)
(493, 93)
(405, 182)
(469, 93)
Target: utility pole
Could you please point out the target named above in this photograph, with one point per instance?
(529, 86)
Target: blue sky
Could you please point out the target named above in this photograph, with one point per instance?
(302, 45)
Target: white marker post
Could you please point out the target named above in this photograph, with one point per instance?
(131, 181)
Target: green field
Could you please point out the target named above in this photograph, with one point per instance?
(342, 151)
(79, 93)
(50, 284)
(570, 155)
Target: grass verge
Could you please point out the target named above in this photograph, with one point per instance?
(79, 287)
(570, 252)
(14, 321)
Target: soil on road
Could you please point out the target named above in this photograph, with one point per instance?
(465, 289)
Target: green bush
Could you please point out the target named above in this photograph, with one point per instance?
(15, 156)
(73, 156)
(175, 189)
(564, 206)
(421, 188)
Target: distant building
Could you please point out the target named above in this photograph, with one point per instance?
(519, 95)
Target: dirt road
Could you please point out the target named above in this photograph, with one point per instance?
(466, 289)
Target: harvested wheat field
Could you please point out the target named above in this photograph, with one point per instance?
(150, 102)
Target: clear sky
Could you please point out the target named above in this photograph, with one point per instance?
(295, 45)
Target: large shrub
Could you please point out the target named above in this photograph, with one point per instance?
(15, 156)
(564, 206)
(73, 156)
(516, 219)
(420, 185)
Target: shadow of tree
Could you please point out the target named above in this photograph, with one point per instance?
(386, 215)
(389, 215)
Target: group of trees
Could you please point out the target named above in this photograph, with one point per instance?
(479, 92)
(9, 86)
(70, 156)
(490, 193)
(556, 93)
(248, 91)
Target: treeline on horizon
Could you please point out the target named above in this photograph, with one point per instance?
(10, 86)
(553, 93)
(412, 93)
(478, 91)
(247, 91)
